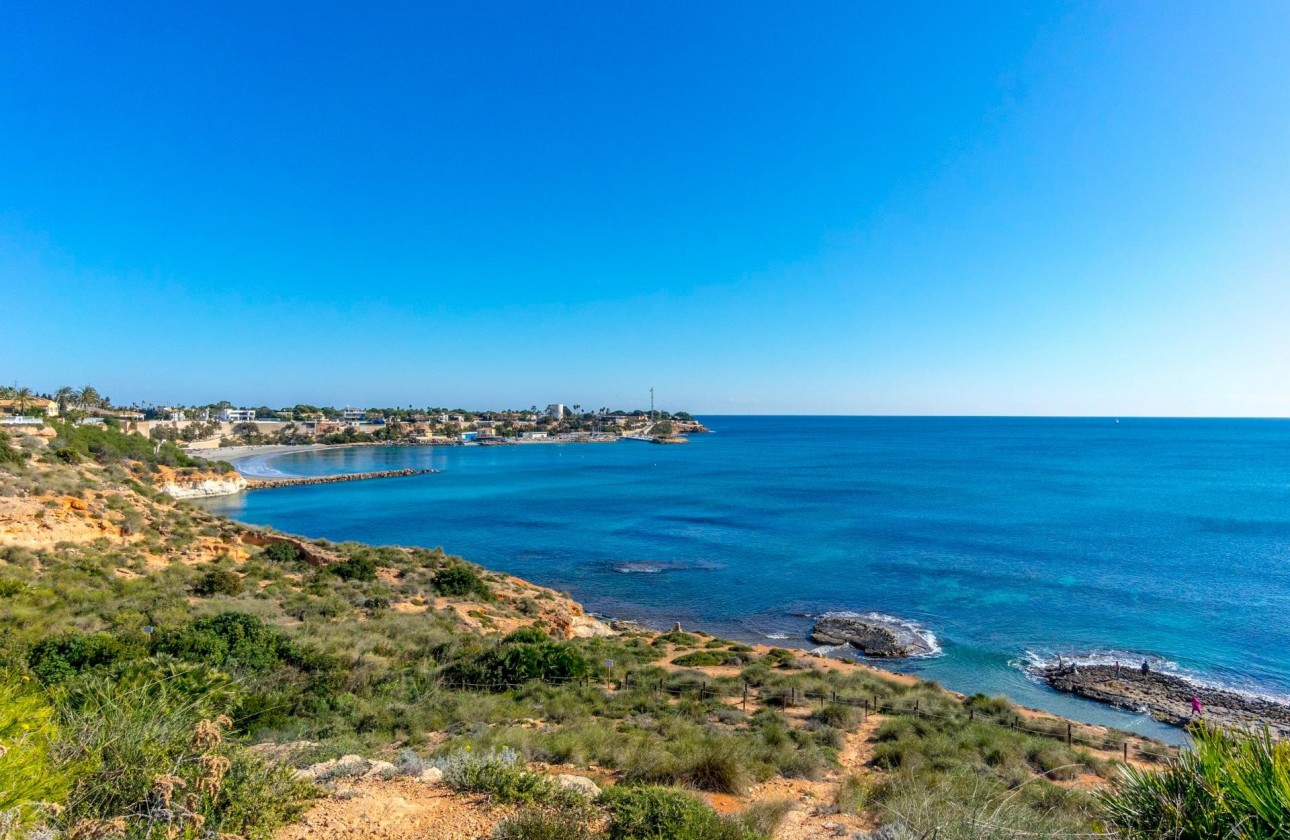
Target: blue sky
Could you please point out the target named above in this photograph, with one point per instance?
(753, 207)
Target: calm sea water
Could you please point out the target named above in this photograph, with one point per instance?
(1008, 539)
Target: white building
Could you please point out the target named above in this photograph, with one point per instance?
(351, 413)
(237, 415)
(555, 411)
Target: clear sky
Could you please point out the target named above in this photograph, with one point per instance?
(754, 207)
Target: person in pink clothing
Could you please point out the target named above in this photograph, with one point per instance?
(1196, 710)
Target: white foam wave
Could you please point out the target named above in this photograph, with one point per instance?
(638, 569)
(257, 466)
(778, 635)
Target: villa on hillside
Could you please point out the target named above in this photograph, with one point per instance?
(49, 407)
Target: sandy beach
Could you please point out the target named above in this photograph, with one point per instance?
(234, 454)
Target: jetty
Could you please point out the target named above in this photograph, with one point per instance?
(265, 483)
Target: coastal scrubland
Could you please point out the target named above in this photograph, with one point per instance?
(168, 673)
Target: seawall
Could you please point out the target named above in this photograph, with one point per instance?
(265, 483)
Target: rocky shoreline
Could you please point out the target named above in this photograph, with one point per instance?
(1166, 697)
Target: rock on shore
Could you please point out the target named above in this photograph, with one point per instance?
(1166, 697)
(872, 636)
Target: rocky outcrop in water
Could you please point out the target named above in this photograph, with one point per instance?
(1166, 697)
(871, 636)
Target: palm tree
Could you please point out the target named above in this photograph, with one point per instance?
(88, 397)
(65, 397)
(22, 396)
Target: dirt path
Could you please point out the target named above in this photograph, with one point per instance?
(396, 809)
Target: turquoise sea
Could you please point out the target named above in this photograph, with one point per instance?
(1009, 540)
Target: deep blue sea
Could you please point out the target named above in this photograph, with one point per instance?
(1008, 539)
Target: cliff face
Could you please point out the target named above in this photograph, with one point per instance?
(179, 485)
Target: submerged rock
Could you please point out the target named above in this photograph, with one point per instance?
(872, 636)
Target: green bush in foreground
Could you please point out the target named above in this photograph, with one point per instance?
(544, 824)
(660, 813)
(29, 774)
(152, 757)
(1229, 785)
(499, 773)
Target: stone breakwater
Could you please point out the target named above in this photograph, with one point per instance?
(1166, 697)
(264, 483)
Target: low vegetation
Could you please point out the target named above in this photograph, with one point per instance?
(135, 671)
(1230, 785)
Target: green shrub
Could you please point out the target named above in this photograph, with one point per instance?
(355, 568)
(715, 764)
(679, 638)
(499, 773)
(460, 581)
(239, 643)
(30, 772)
(533, 823)
(218, 582)
(66, 455)
(707, 658)
(9, 587)
(513, 663)
(854, 794)
(10, 455)
(281, 552)
(660, 813)
(839, 716)
(1229, 784)
(107, 444)
(57, 658)
(527, 635)
(962, 804)
(781, 658)
(144, 745)
(764, 818)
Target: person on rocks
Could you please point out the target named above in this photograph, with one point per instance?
(1146, 669)
(1196, 710)
(1117, 669)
